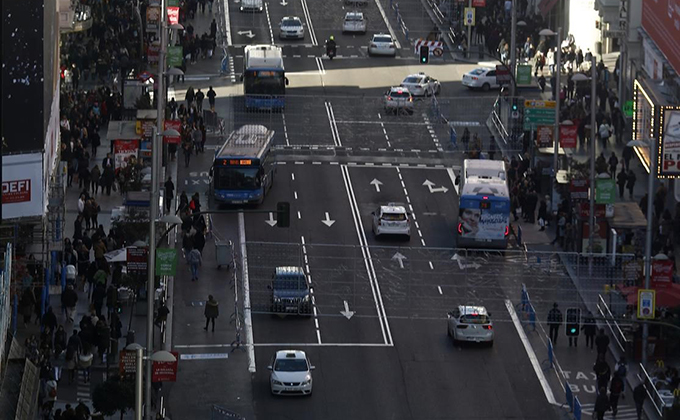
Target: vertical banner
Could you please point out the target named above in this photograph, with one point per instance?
(175, 56)
(153, 18)
(165, 371)
(122, 150)
(544, 136)
(662, 273)
(605, 191)
(568, 136)
(176, 125)
(166, 261)
(173, 15)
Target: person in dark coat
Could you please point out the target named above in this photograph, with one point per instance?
(59, 341)
(602, 371)
(602, 343)
(73, 348)
(613, 163)
(169, 193)
(543, 214)
(116, 327)
(98, 297)
(111, 299)
(615, 391)
(554, 322)
(601, 404)
(103, 333)
(621, 180)
(199, 240)
(631, 182)
(26, 305)
(49, 320)
(589, 328)
(639, 395)
(183, 202)
(108, 177)
(211, 312)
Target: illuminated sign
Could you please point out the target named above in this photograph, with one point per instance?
(238, 162)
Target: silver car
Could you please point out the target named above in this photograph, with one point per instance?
(354, 22)
(470, 323)
(392, 219)
(421, 85)
(291, 373)
(291, 27)
(251, 6)
(398, 100)
(382, 44)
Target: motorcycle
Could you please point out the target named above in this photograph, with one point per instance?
(331, 51)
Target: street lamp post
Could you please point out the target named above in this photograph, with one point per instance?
(513, 46)
(556, 135)
(159, 356)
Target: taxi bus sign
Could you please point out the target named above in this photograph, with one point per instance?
(646, 304)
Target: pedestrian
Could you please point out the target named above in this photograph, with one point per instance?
(554, 322)
(94, 213)
(108, 178)
(161, 315)
(542, 215)
(541, 82)
(98, 298)
(49, 320)
(621, 180)
(601, 404)
(169, 194)
(561, 228)
(195, 260)
(589, 328)
(189, 97)
(186, 146)
(73, 349)
(107, 162)
(116, 327)
(211, 95)
(615, 391)
(627, 156)
(26, 305)
(604, 132)
(199, 101)
(211, 312)
(639, 395)
(82, 411)
(103, 333)
(602, 372)
(196, 138)
(602, 343)
(621, 370)
(69, 299)
(95, 179)
(631, 182)
(613, 163)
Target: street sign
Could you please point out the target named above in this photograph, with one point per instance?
(605, 191)
(469, 16)
(523, 74)
(175, 56)
(537, 112)
(646, 306)
(165, 371)
(479, 3)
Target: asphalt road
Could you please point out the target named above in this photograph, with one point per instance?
(339, 158)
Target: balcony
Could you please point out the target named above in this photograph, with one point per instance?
(74, 17)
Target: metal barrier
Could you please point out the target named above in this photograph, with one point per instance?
(652, 392)
(614, 328)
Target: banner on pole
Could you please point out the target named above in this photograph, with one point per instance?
(166, 261)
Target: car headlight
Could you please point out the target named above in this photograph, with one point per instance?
(276, 299)
(275, 382)
(306, 298)
(307, 381)
(260, 8)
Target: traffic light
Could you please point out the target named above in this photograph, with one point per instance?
(283, 214)
(424, 54)
(573, 322)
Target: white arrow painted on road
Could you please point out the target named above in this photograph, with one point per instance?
(347, 313)
(397, 256)
(249, 34)
(431, 187)
(462, 266)
(271, 222)
(377, 184)
(284, 3)
(328, 222)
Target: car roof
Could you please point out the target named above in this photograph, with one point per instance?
(471, 309)
(393, 208)
(382, 34)
(289, 271)
(359, 14)
(291, 354)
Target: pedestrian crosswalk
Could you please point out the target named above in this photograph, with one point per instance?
(625, 412)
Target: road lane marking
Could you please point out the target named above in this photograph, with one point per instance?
(227, 30)
(285, 129)
(311, 290)
(248, 317)
(387, 22)
(320, 66)
(368, 262)
(440, 290)
(284, 345)
(435, 139)
(296, 197)
(292, 176)
(452, 175)
(531, 354)
(299, 215)
(269, 23)
(310, 26)
(334, 127)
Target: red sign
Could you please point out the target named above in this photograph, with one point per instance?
(123, 150)
(176, 125)
(478, 3)
(165, 371)
(18, 191)
(662, 273)
(578, 190)
(127, 362)
(661, 20)
(568, 136)
(173, 15)
(137, 259)
(584, 210)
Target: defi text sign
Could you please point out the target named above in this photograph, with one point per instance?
(18, 191)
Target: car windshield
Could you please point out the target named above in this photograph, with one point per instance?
(394, 217)
(477, 72)
(290, 22)
(353, 18)
(382, 39)
(413, 79)
(475, 319)
(291, 365)
(290, 283)
(236, 178)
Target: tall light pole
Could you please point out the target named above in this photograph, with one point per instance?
(469, 32)
(159, 356)
(556, 135)
(513, 47)
(593, 140)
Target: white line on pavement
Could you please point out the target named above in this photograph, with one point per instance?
(331, 121)
(269, 23)
(310, 26)
(225, 5)
(530, 353)
(311, 289)
(387, 22)
(248, 317)
(285, 128)
(440, 290)
(452, 175)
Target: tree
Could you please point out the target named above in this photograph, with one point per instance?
(114, 395)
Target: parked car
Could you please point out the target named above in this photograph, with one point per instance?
(483, 78)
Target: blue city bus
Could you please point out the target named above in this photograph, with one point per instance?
(243, 169)
(264, 77)
(484, 214)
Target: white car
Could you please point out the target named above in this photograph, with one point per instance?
(470, 323)
(398, 100)
(482, 77)
(251, 6)
(291, 27)
(392, 219)
(421, 85)
(382, 44)
(354, 22)
(291, 373)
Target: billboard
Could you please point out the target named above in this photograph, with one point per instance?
(670, 142)
(22, 186)
(661, 20)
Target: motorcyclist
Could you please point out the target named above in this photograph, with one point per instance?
(330, 45)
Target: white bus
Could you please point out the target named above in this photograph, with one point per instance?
(264, 77)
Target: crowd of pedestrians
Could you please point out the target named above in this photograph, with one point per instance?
(193, 130)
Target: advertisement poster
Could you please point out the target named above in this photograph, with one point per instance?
(646, 304)
(122, 150)
(22, 191)
(173, 15)
(605, 191)
(523, 74)
(137, 260)
(661, 20)
(165, 371)
(153, 52)
(662, 273)
(175, 125)
(599, 239)
(482, 224)
(568, 136)
(578, 189)
(175, 55)
(153, 18)
(670, 146)
(166, 261)
(544, 136)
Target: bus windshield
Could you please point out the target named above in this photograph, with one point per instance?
(264, 82)
(237, 178)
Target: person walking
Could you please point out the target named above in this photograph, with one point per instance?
(195, 260)
(211, 312)
(604, 132)
(602, 372)
(199, 101)
(613, 163)
(621, 180)
(95, 179)
(189, 97)
(211, 97)
(601, 404)
(602, 343)
(73, 349)
(69, 299)
(589, 328)
(186, 147)
(615, 391)
(554, 322)
(631, 183)
(639, 395)
(169, 193)
(109, 176)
